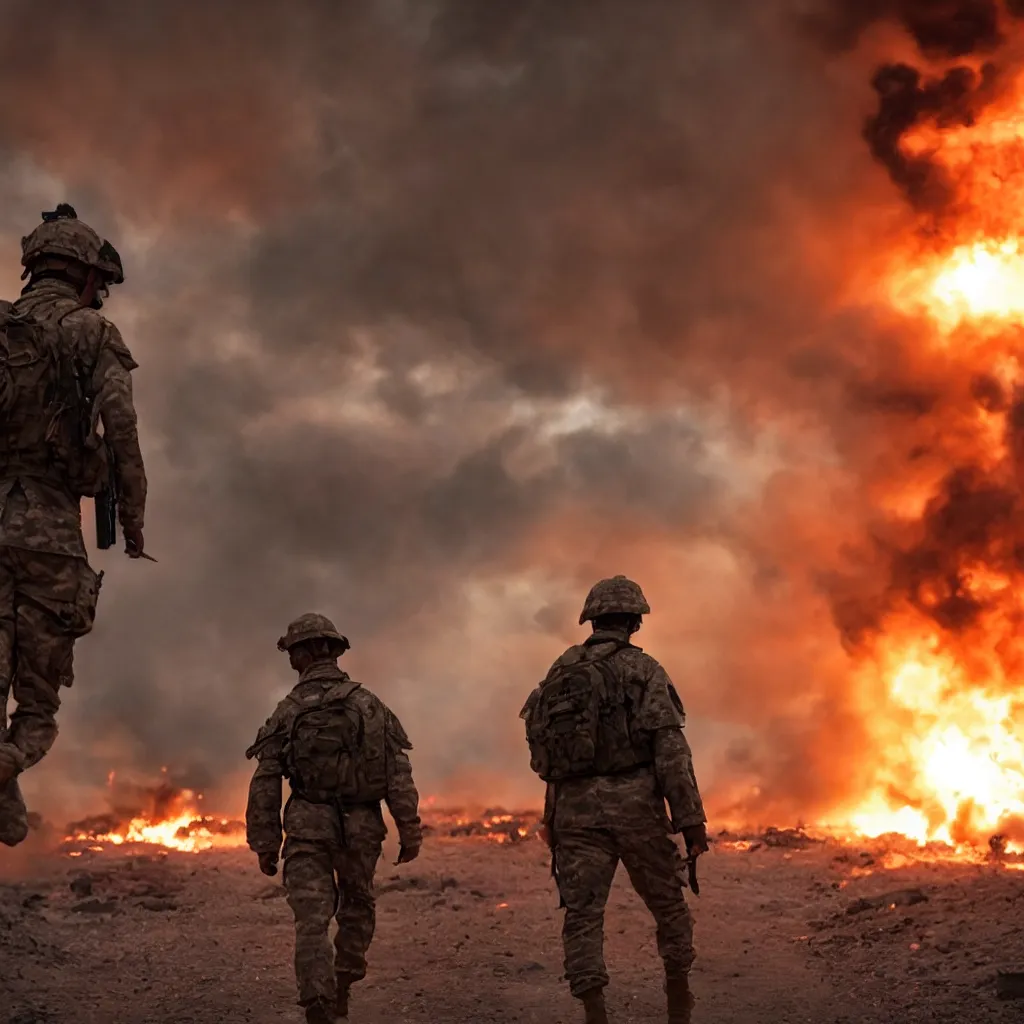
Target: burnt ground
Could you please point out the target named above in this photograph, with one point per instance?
(470, 932)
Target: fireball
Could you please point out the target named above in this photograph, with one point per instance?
(939, 678)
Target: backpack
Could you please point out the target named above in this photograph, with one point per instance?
(580, 723)
(45, 414)
(335, 751)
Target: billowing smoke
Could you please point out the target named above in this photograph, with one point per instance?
(446, 308)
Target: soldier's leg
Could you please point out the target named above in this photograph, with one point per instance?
(54, 604)
(655, 868)
(13, 814)
(355, 864)
(6, 634)
(309, 884)
(585, 860)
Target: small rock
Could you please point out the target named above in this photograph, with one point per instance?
(401, 884)
(158, 906)
(95, 907)
(532, 968)
(271, 892)
(901, 898)
(81, 885)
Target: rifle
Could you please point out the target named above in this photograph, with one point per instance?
(106, 507)
(106, 502)
(691, 873)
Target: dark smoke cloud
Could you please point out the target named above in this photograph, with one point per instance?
(941, 28)
(905, 100)
(444, 310)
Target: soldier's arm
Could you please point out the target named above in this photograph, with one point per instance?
(402, 799)
(113, 403)
(673, 765)
(263, 830)
(663, 715)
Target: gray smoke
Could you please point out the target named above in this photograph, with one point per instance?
(444, 309)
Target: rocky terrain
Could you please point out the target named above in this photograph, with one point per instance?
(789, 930)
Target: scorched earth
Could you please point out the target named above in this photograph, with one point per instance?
(790, 928)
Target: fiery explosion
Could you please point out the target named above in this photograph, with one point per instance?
(939, 669)
(164, 815)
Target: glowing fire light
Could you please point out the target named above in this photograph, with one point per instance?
(942, 706)
(956, 757)
(166, 817)
(186, 833)
(981, 280)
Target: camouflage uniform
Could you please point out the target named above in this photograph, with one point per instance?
(330, 851)
(594, 822)
(48, 591)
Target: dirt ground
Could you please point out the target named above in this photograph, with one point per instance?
(470, 932)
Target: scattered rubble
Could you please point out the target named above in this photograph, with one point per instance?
(889, 900)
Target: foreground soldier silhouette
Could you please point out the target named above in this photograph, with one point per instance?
(605, 733)
(64, 372)
(343, 752)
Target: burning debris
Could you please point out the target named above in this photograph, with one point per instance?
(496, 825)
(172, 818)
(163, 815)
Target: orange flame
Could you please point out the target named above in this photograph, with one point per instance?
(945, 710)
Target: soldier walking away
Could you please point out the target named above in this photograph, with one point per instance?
(605, 731)
(64, 374)
(343, 752)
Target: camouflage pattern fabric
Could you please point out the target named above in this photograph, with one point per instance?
(596, 822)
(48, 518)
(328, 879)
(46, 602)
(330, 853)
(658, 721)
(615, 596)
(48, 592)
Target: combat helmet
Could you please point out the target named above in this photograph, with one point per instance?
(63, 236)
(615, 596)
(311, 626)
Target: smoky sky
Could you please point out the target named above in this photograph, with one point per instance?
(443, 311)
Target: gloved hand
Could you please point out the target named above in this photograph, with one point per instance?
(696, 839)
(407, 853)
(268, 864)
(12, 762)
(134, 542)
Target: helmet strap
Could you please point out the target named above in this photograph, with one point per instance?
(90, 294)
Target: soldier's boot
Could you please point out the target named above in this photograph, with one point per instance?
(593, 1007)
(341, 1006)
(318, 1013)
(680, 1000)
